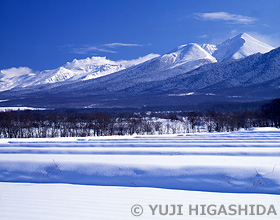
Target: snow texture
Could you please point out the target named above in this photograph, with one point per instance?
(240, 47)
(237, 162)
(115, 173)
(72, 202)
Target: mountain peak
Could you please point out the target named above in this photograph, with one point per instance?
(189, 45)
(187, 53)
(247, 38)
(241, 35)
(183, 59)
(240, 46)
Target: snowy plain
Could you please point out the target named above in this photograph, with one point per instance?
(75, 202)
(103, 177)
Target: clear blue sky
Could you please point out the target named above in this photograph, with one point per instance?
(45, 34)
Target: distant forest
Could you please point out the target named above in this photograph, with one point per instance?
(70, 123)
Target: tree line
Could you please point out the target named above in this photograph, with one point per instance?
(41, 124)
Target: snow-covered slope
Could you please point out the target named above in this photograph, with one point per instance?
(233, 162)
(16, 77)
(182, 59)
(83, 69)
(183, 71)
(186, 53)
(72, 202)
(254, 78)
(210, 48)
(103, 178)
(90, 68)
(239, 47)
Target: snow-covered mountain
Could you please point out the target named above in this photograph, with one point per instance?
(188, 69)
(83, 69)
(210, 48)
(90, 68)
(239, 47)
(17, 77)
(254, 78)
(182, 59)
(186, 53)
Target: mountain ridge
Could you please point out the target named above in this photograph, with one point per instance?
(83, 69)
(187, 74)
(239, 47)
(190, 55)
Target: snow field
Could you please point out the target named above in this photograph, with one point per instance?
(65, 201)
(104, 177)
(239, 162)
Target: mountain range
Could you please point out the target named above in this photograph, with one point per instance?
(80, 70)
(238, 69)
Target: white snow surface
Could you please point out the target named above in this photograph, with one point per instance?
(21, 108)
(71, 202)
(245, 161)
(210, 48)
(103, 177)
(239, 47)
(187, 53)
